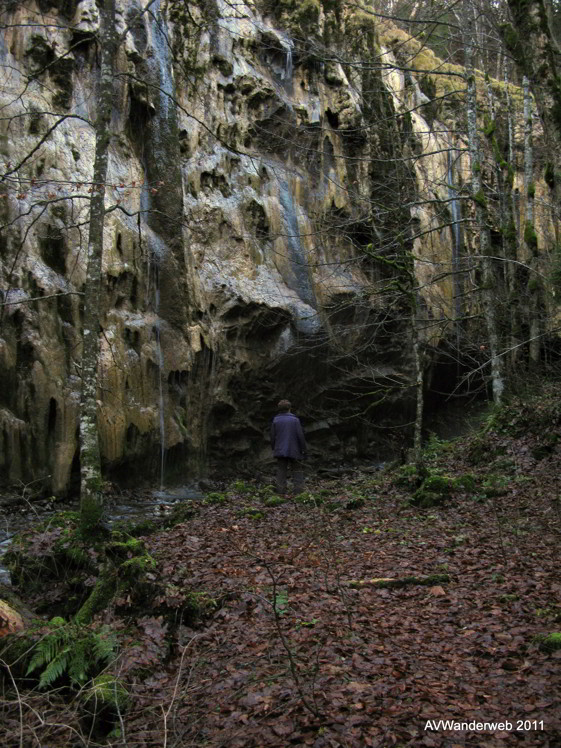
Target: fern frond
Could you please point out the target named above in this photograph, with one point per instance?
(54, 670)
(80, 661)
(46, 650)
(74, 651)
(104, 645)
(52, 644)
(37, 660)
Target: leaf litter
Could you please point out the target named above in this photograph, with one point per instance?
(293, 656)
(271, 627)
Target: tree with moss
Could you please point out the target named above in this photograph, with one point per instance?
(90, 459)
(45, 62)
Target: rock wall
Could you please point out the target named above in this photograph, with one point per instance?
(257, 226)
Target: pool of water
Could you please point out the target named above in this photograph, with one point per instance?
(142, 506)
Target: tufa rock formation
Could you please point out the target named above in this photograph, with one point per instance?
(268, 167)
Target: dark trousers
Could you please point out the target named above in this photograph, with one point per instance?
(288, 466)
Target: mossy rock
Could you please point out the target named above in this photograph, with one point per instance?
(135, 567)
(549, 642)
(409, 477)
(441, 484)
(252, 512)
(215, 498)
(295, 15)
(50, 551)
(434, 491)
(274, 500)
(465, 482)
(181, 512)
(137, 529)
(99, 598)
(122, 547)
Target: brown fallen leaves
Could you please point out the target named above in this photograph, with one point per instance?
(294, 655)
(287, 650)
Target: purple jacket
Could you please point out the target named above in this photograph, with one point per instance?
(287, 436)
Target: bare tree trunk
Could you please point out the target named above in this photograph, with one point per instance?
(91, 501)
(489, 281)
(419, 384)
(530, 236)
(510, 225)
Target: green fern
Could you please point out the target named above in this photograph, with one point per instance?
(74, 651)
(104, 645)
(54, 669)
(78, 665)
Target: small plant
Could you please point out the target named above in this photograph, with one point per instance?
(107, 691)
(200, 604)
(274, 500)
(180, 513)
(307, 624)
(495, 485)
(269, 496)
(509, 598)
(465, 482)
(73, 652)
(215, 498)
(280, 603)
(241, 487)
(308, 498)
(549, 642)
(436, 446)
(252, 512)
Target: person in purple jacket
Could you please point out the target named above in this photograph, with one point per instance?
(289, 447)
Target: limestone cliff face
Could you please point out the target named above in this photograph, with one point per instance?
(251, 179)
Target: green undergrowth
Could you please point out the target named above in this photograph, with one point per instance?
(549, 642)
(72, 660)
(492, 461)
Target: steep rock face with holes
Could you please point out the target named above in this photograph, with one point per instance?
(252, 245)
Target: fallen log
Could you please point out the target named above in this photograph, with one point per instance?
(385, 582)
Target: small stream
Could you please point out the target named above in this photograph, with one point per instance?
(148, 505)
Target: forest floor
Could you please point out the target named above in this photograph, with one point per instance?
(297, 644)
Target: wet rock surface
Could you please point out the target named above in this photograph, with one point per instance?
(237, 264)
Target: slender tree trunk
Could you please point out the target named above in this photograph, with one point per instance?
(419, 384)
(530, 236)
(489, 281)
(510, 225)
(91, 502)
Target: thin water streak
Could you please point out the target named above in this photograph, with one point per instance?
(160, 354)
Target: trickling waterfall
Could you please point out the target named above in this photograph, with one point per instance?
(288, 69)
(298, 276)
(160, 354)
(298, 257)
(158, 136)
(162, 60)
(157, 252)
